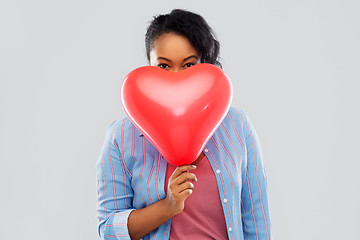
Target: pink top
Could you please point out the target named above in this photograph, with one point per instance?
(202, 217)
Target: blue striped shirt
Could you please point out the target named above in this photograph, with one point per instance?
(131, 175)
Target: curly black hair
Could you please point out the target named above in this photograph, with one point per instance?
(190, 25)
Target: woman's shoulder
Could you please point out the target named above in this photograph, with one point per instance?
(241, 118)
(119, 126)
(236, 114)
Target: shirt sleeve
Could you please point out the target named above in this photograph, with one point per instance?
(114, 191)
(255, 207)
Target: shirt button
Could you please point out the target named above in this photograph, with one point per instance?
(206, 150)
(230, 229)
(218, 171)
(225, 200)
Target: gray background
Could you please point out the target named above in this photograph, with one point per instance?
(294, 66)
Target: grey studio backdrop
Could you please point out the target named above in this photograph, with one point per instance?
(294, 67)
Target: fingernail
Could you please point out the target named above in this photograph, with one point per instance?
(194, 166)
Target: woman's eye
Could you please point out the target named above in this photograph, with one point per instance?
(163, 65)
(189, 65)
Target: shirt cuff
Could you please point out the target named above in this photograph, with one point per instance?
(117, 228)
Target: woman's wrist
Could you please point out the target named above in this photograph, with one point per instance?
(169, 207)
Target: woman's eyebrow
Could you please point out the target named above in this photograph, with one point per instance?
(192, 56)
(164, 59)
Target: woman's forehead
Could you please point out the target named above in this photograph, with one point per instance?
(172, 45)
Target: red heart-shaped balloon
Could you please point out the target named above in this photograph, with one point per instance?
(177, 111)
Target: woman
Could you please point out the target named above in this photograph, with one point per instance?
(221, 195)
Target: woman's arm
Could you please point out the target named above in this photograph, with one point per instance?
(255, 209)
(114, 191)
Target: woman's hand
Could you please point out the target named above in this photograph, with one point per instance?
(180, 187)
(142, 221)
